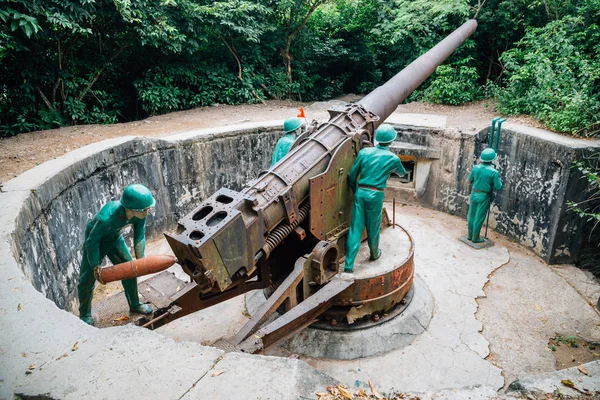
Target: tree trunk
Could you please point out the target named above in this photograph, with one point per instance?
(233, 52)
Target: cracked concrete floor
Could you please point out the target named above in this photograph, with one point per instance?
(527, 303)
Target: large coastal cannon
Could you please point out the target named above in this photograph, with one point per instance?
(285, 231)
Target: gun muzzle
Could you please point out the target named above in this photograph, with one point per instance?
(134, 268)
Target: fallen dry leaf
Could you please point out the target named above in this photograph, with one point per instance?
(294, 356)
(582, 369)
(567, 382)
(75, 347)
(344, 392)
(23, 355)
(32, 366)
(178, 288)
(537, 307)
(121, 318)
(19, 307)
(375, 392)
(217, 373)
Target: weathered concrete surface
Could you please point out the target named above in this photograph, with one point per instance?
(477, 246)
(421, 120)
(243, 376)
(35, 334)
(180, 171)
(550, 383)
(526, 304)
(35, 330)
(451, 352)
(535, 170)
(582, 281)
(107, 362)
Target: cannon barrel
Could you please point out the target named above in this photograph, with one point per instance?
(221, 242)
(384, 100)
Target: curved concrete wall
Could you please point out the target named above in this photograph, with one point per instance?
(535, 170)
(180, 171)
(51, 354)
(45, 211)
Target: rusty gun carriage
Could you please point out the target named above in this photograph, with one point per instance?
(285, 231)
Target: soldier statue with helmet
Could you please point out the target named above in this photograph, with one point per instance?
(485, 179)
(367, 179)
(103, 238)
(284, 144)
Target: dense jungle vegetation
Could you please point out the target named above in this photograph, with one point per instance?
(66, 62)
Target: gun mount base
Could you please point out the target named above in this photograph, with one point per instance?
(346, 302)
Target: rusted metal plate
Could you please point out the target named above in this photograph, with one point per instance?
(286, 292)
(382, 278)
(330, 195)
(357, 312)
(297, 318)
(156, 290)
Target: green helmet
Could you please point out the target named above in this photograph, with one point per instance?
(137, 198)
(488, 155)
(291, 124)
(385, 134)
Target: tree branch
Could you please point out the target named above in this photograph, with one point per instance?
(100, 71)
(479, 5)
(233, 52)
(44, 98)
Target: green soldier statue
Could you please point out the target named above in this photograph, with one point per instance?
(103, 238)
(485, 179)
(290, 126)
(367, 179)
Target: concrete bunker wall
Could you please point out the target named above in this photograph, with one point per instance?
(180, 172)
(184, 169)
(535, 171)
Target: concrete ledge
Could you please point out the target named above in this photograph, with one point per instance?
(550, 383)
(242, 376)
(409, 149)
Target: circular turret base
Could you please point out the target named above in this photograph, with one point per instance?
(391, 334)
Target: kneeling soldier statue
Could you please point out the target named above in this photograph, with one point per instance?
(103, 238)
(367, 179)
(485, 179)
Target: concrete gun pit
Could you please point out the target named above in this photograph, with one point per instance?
(464, 340)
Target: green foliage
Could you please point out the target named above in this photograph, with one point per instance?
(570, 341)
(180, 87)
(589, 167)
(453, 84)
(553, 75)
(68, 62)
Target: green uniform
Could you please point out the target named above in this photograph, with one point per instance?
(282, 147)
(103, 238)
(485, 179)
(367, 179)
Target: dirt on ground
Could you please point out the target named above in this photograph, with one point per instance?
(25, 151)
(571, 351)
